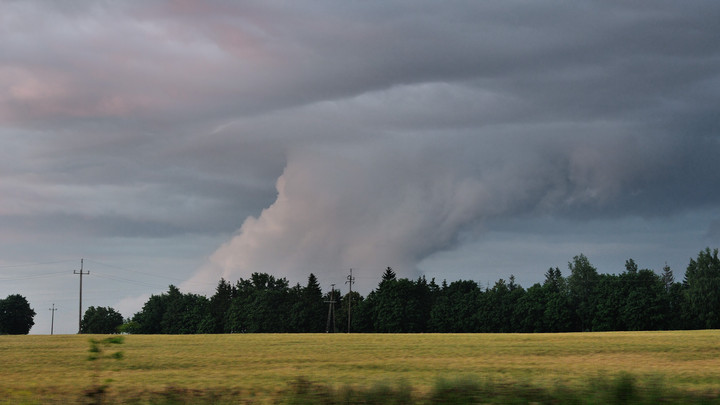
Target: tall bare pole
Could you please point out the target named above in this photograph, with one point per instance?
(80, 310)
(350, 281)
(52, 318)
(331, 311)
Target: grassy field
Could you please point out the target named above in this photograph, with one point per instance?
(40, 369)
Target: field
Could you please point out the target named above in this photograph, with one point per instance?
(260, 368)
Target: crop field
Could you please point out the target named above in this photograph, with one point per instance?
(260, 368)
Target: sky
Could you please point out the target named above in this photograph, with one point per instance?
(178, 142)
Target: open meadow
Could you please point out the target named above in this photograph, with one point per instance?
(259, 368)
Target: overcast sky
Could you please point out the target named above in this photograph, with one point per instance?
(181, 142)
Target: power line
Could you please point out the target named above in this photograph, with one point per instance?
(140, 272)
(331, 310)
(145, 273)
(52, 320)
(32, 277)
(7, 266)
(80, 310)
(133, 271)
(126, 280)
(351, 281)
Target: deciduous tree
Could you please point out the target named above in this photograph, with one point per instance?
(101, 320)
(16, 316)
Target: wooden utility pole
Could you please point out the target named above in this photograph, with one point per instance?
(52, 318)
(331, 311)
(80, 310)
(350, 281)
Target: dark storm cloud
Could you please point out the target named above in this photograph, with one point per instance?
(335, 135)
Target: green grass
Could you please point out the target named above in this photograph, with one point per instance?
(267, 368)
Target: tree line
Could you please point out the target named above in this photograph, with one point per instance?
(584, 300)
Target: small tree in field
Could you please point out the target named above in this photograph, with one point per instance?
(101, 320)
(16, 316)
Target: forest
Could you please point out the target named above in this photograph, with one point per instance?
(584, 300)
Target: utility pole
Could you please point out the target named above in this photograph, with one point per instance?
(350, 281)
(80, 310)
(331, 310)
(52, 319)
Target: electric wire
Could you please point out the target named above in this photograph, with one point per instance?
(7, 266)
(126, 280)
(136, 271)
(32, 277)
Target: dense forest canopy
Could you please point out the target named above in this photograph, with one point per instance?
(582, 300)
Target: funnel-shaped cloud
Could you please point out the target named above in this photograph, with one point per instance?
(396, 199)
(364, 208)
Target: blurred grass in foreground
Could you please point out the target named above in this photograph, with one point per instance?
(582, 368)
(621, 389)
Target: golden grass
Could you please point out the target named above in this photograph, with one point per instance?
(57, 366)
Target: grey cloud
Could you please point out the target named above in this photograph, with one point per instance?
(334, 135)
(103, 226)
(587, 55)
